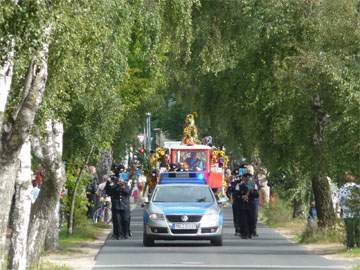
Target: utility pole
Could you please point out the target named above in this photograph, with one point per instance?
(148, 133)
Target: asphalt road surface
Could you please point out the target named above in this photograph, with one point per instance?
(269, 251)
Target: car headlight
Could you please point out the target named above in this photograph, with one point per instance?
(210, 218)
(155, 216)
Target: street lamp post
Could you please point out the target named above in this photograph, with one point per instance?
(148, 132)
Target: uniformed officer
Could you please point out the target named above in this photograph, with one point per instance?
(120, 200)
(253, 192)
(233, 193)
(244, 208)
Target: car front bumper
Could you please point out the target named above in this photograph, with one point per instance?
(165, 230)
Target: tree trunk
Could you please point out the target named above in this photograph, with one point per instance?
(9, 171)
(52, 235)
(20, 214)
(6, 72)
(8, 174)
(104, 163)
(321, 187)
(73, 198)
(298, 208)
(16, 133)
(46, 204)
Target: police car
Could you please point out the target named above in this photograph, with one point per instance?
(182, 207)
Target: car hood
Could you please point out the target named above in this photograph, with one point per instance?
(179, 209)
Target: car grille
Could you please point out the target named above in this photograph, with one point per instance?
(177, 218)
(184, 231)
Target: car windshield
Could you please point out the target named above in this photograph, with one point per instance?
(186, 194)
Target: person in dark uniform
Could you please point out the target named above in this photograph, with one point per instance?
(253, 195)
(233, 193)
(120, 200)
(244, 208)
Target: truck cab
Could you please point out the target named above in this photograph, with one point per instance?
(197, 159)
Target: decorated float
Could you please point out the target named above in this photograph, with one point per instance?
(192, 155)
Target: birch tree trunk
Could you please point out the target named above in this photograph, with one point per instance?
(104, 163)
(16, 133)
(52, 234)
(6, 72)
(320, 184)
(20, 214)
(45, 206)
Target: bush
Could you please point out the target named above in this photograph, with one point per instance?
(80, 214)
(276, 213)
(313, 234)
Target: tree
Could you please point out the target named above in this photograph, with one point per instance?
(274, 84)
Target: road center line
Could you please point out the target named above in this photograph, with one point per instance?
(212, 266)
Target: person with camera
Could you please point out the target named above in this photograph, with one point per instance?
(120, 206)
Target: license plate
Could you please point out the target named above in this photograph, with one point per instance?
(184, 226)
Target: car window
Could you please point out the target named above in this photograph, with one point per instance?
(183, 194)
(191, 160)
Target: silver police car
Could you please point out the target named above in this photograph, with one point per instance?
(183, 212)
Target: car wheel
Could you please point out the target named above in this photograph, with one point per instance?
(147, 241)
(217, 241)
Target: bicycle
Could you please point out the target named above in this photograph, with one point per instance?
(103, 214)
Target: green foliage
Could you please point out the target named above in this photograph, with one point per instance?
(23, 23)
(313, 234)
(291, 184)
(255, 69)
(276, 214)
(81, 201)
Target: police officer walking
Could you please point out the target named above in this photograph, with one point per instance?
(244, 209)
(253, 205)
(120, 200)
(233, 192)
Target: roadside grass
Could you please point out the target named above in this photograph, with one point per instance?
(279, 216)
(49, 266)
(352, 253)
(357, 267)
(86, 233)
(313, 234)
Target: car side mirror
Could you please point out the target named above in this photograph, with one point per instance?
(144, 204)
(221, 201)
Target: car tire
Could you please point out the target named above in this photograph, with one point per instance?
(147, 241)
(217, 241)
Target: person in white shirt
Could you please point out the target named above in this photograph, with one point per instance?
(351, 220)
(35, 192)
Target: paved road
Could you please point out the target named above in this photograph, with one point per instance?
(269, 251)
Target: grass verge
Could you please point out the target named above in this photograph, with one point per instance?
(313, 234)
(49, 266)
(279, 216)
(87, 232)
(352, 253)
